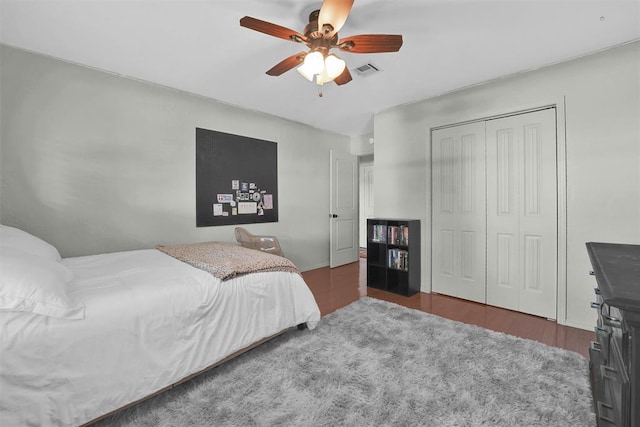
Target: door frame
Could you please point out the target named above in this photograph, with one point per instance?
(362, 163)
(561, 171)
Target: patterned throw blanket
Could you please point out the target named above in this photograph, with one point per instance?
(225, 261)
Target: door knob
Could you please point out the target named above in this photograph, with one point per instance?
(333, 216)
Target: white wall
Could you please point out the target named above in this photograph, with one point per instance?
(602, 122)
(93, 162)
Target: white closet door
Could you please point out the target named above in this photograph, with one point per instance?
(522, 213)
(458, 211)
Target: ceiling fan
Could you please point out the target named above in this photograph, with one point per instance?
(320, 36)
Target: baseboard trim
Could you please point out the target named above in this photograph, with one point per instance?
(579, 325)
(313, 267)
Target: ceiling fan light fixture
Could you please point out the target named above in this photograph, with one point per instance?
(304, 72)
(331, 68)
(314, 62)
(334, 66)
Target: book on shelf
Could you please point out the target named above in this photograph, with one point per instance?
(379, 233)
(398, 235)
(398, 259)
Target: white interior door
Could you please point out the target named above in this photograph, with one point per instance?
(344, 209)
(522, 213)
(366, 199)
(458, 212)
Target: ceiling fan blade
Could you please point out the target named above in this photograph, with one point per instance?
(333, 13)
(271, 29)
(287, 64)
(371, 43)
(343, 78)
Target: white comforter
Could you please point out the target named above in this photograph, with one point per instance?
(150, 321)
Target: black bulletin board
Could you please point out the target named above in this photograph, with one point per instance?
(236, 179)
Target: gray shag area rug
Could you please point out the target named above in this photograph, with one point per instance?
(375, 363)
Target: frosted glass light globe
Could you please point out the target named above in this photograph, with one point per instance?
(314, 63)
(335, 66)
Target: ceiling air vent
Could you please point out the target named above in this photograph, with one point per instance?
(367, 69)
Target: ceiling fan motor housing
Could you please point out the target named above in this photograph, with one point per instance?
(315, 38)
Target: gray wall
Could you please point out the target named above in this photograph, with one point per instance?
(93, 162)
(602, 96)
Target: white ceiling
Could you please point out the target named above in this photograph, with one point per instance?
(199, 46)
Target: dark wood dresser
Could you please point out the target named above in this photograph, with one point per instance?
(615, 356)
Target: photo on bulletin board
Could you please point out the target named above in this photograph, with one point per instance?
(236, 179)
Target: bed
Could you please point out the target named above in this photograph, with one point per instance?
(82, 337)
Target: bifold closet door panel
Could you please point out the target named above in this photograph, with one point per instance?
(522, 213)
(458, 211)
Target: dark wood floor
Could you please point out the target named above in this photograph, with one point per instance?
(337, 287)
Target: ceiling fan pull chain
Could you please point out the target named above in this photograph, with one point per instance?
(316, 80)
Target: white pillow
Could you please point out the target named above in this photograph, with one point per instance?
(34, 284)
(11, 237)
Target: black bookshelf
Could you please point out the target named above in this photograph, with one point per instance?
(393, 255)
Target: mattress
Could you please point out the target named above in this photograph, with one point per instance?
(150, 321)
